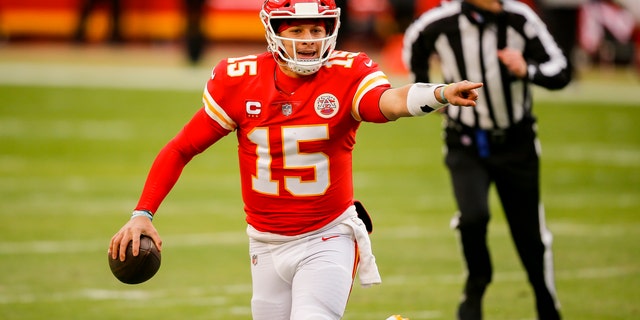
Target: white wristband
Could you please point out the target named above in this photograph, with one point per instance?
(144, 213)
(421, 99)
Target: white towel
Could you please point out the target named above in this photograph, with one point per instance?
(367, 268)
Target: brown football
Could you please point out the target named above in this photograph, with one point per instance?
(138, 269)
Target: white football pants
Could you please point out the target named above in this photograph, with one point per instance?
(304, 277)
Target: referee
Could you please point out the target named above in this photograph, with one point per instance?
(506, 46)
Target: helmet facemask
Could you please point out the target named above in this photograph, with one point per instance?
(272, 18)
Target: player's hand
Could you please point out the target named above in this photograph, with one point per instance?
(462, 93)
(132, 231)
(514, 61)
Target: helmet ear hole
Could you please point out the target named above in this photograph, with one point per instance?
(275, 24)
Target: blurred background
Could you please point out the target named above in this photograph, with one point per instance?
(91, 90)
(594, 32)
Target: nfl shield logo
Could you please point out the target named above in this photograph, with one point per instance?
(287, 108)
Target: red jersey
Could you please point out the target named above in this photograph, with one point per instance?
(295, 135)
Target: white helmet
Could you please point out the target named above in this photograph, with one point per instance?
(274, 12)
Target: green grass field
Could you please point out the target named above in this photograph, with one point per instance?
(73, 161)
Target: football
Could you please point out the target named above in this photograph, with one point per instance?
(138, 269)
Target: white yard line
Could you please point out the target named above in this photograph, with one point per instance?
(101, 76)
(74, 246)
(175, 77)
(240, 238)
(216, 294)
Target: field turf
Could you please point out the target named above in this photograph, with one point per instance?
(73, 160)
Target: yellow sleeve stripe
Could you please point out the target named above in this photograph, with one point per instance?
(217, 113)
(371, 81)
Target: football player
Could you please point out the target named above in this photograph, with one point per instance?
(295, 110)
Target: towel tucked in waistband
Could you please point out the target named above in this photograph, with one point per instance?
(367, 268)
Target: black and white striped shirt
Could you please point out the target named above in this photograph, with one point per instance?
(466, 40)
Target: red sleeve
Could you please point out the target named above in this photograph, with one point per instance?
(372, 113)
(196, 136)
(371, 84)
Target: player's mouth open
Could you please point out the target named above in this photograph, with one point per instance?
(307, 54)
